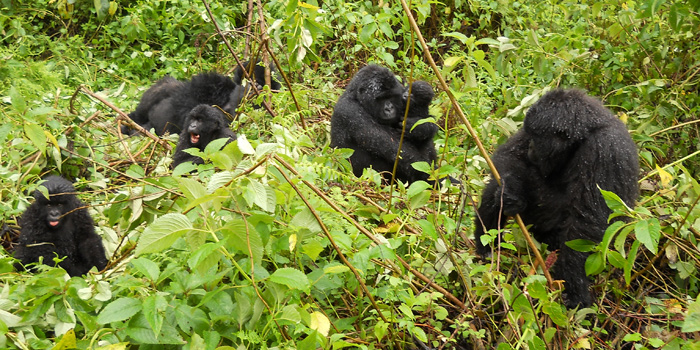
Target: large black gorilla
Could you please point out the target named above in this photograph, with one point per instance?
(61, 227)
(367, 118)
(164, 106)
(204, 124)
(551, 169)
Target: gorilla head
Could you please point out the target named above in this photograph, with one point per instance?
(59, 226)
(379, 93)
(203, 125)
(62, 199)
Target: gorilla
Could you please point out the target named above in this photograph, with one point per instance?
(569, 145)
(164, 106)
(258, 73)
(367, 118)
(59, 226)
(203, 124)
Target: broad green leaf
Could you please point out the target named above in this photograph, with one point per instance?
(162, 233)
(36, 134)
(367, 32)
(243, 239)
(219, 180)
(595, 264)
(648, 232)
(416, 188)
(555, 312)
(147, 268)
(153, 309)
(291, 278)
(581, 245)
(692, 319)
(119, 310)
(306, 219)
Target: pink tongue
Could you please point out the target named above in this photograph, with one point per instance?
(194, 138)
(53, 223)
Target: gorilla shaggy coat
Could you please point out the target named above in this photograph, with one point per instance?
(59, 226)
(569, 145)
(366, 119)
(164, 106)
(203, 125)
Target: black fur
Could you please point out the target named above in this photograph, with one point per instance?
(204, 124)
(165, 105)
(366, 119)
(551, 169)
(258, 75)
(54, 227)
(256, 72)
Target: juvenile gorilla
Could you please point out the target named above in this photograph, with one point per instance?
(365, 119)
(204, 124)
(165, 105)
(551, 169)
(61, 227)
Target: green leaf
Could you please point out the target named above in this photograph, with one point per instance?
(595, 264)
(162, 233)
(648, 232)
(581, 245)
(692, 320)
(36, 134)
(291, 278)
(416, 188)
(555, 312)
(239, 238)
(367, 32)
(147, 268)
(153, 308)
(119, 310)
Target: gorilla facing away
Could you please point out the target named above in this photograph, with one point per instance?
(164, 106)
(366, 119)
(203, 125)
(60, 227)
(551, 169)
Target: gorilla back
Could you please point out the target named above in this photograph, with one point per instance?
(570, 145)
(59, 226)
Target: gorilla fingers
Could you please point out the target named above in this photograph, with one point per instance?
(59, 226)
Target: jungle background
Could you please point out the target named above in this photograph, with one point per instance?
(275, 244)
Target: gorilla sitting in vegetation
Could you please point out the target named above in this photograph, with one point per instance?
(59, 227)
(165, 105)
(366, 119)
(203, 125)
(570, 145)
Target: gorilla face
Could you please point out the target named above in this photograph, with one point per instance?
(383, 100)
(204, 124)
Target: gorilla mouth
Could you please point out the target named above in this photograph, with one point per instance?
(53, 223)
(194, 138)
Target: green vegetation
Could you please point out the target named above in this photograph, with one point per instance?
(275, 245)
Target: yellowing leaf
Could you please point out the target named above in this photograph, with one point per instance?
(292, 242)
(664, 176)
(66, 342)
(320, 323)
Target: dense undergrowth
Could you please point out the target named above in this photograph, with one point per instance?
(274, 244)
